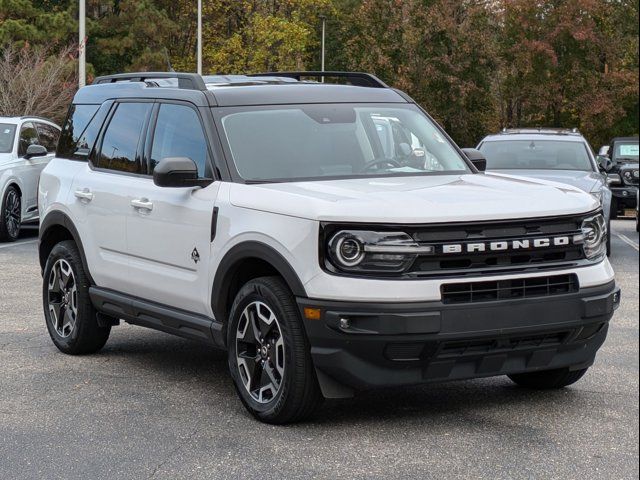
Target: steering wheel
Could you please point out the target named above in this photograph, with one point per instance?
(380, 161)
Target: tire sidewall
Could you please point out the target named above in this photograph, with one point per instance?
(255, 291)
(62, 251)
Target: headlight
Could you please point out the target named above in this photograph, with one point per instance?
(613, 179)
(368, 251)
(593, 237)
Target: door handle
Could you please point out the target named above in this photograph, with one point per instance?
(84, 194)
(142, 204)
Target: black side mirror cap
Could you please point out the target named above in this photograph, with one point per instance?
(477, 158)
(178, 172)
(35, 151)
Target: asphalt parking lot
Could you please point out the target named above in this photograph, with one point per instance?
(154, 406)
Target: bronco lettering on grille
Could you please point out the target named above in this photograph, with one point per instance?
(507, 245)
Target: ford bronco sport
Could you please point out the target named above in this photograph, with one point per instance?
(284, 220)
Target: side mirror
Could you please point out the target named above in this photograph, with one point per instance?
(35, 151)
(477, 158)
(178, 172)
(605, 163)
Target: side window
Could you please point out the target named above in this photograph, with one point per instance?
(48, 135)
(28, 136)
(120, 142)
(178, 133)
(75, 128)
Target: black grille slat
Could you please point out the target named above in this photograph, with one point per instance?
(475, 292)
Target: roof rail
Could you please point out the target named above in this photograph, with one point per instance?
(187, 81)
(359, 79)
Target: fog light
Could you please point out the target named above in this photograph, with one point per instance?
(345, 323)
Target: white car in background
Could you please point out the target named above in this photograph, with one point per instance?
(27, 144)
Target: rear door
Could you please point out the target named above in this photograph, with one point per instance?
(169, 229)
(103, 192)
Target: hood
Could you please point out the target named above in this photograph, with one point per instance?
(586, 181)
(426, 199)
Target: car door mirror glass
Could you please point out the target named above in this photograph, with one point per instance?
(35, 151)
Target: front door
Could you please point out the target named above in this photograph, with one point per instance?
(169, 229)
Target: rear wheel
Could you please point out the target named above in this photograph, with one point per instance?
(548, 379)
(269, 355)
(10, 215)
(70, 316)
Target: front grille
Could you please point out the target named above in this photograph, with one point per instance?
(475, 292)
(514, 260)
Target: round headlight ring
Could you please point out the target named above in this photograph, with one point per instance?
(349, 251)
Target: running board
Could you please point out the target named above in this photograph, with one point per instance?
(153, 315)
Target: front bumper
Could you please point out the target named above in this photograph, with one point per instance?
(358, 346)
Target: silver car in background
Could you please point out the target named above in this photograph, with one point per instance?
(559, 155)
(27, 144)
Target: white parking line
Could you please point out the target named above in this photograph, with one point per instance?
(627, 240)
(16, 244)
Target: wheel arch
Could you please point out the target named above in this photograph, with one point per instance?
(57, 227)
(246, 261)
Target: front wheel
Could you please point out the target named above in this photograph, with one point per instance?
(269, 357)
(10, 215)
(548, 379)
(71, 318)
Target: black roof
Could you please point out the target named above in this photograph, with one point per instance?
(275, 88)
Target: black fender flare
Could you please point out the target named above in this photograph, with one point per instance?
(244, 251)
(60, 219)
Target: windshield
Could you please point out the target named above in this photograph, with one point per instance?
(536, 155)
(308, 142)
(625, 151)
(7, 134)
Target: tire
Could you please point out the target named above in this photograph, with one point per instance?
(609, 238)
(10, 215)
(276, 351)
(548, 379)
(65, 295)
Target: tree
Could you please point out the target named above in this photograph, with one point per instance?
(440, 51)
(34, 80)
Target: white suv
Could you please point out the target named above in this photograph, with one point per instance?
(261, 214)
(26, 146)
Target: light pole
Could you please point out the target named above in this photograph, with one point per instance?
(199, 55)
(324, 19)
(82, 46)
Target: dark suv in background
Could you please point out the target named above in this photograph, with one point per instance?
(620, 160)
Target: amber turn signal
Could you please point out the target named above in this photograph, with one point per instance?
(312, 313)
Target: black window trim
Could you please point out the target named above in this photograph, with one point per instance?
(97, 149)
